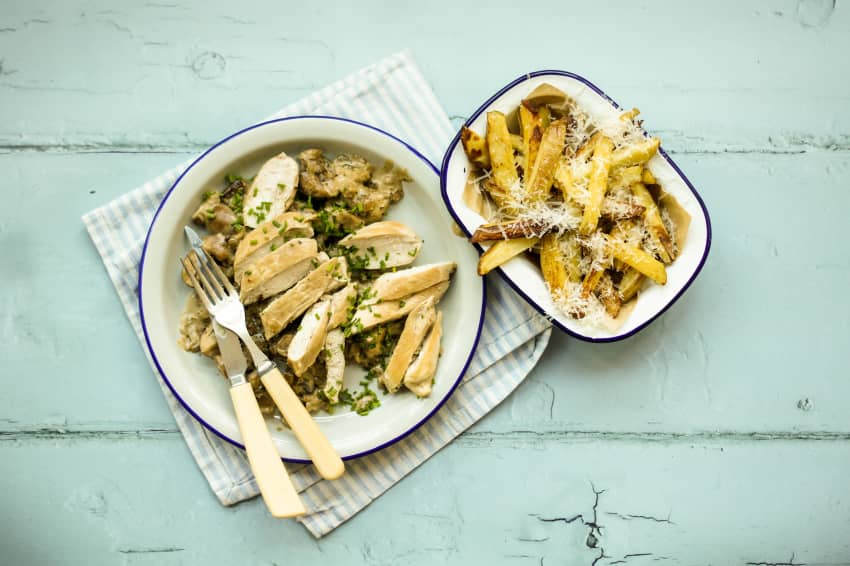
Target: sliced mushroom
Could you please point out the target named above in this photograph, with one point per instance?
(372, 313)
(328, 276)
(272, 190)
(279, 270)
(193, 321)
(341, 302)
(416, 326)
(216, 246)
(419, 377)
(400, 284)
(334, 364)
(382, 245)
(259, 242)
(309, 339)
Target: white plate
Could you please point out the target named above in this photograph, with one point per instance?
(194, 379)
(522, 273)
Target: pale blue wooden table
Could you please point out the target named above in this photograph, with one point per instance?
(720, 435)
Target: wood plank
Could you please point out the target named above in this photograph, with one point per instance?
(144, 502)
(176, 78)
(691, 372)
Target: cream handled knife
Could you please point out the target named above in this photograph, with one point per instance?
(274, 483)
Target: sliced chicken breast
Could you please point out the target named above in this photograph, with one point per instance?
(279, 270)
(416, 327)
(382, 245)
(272, 190)
(400, 284)
(375, 312)
(419, 377)
(341, 302)
(267, 237)
(309, 339)
(335, 364)
(327, 277)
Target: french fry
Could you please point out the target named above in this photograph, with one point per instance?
(501, 158)
(546, 163)
(639, 259)
(475, 147)
(543, 95)
(616, 211)
(600, 165)
(654, 225)
(531, 132)
(647, 178)
(503, 251)
(591, 280)
(630, 115)
(586, 150)
(552, 263)
(509, 231)
(630, 284)
(608, 296)
(624, 231)
(563, 179)
(625, 176)
(571, 249)
(635, 154)
(516, 143)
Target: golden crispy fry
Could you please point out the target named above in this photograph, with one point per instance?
(531, 132)
(516, 143)
(630, 284)
(639, 259)
(585, 151)
(591, 280)
(475, 147)
(539, 181)
(616, 210)
(630, 115)
(509, 231)
(600, 165)
(503, 251)
(552, 263)
(647, 178)
(608, 296)
(543, 95)
(571, 248)
(625, 176)
(635, 154)
(501, 157)
(563, 179)
(654, 225)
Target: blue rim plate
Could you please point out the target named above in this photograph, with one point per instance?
(193, 379)
(522, 274)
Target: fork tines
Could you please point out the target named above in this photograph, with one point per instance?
(209, 280)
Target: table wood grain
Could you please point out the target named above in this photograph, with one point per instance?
(720, 435)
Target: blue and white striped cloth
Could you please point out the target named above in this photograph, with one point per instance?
(393, 96)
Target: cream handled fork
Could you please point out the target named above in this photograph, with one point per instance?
(222, 301)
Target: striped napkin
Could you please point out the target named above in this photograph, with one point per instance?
(393, 96)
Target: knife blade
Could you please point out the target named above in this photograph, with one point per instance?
(228, 343)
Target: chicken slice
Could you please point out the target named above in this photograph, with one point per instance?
(416, 326)
(419, 377)
(375, 312)
(382, 245)
(272, 190)
(309, 339)
(279, 270)
(258, 242)
(334, 364)
(400, 284)
(341, 301)
(327, 277)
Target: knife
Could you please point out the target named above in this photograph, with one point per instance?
(275, 485)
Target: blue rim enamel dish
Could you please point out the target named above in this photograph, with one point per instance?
(522, 273)
(194, 380)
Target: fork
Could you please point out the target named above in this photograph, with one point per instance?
(222, 301)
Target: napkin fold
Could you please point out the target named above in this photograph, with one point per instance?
(394, 96)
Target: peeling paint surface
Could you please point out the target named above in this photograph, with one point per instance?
(719, 435)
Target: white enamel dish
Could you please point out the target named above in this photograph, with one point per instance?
(522, 273)
(162, 295)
